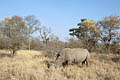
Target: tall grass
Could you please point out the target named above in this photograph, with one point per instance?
(30, 66)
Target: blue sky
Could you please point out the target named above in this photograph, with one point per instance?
(60, 15)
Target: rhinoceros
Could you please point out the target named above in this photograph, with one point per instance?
(71, 56)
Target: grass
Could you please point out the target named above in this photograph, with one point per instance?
(29, 65)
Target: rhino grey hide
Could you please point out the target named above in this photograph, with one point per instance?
(71, 56)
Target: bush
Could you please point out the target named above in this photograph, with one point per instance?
(53, 47)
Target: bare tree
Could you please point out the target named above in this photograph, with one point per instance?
(45, 34)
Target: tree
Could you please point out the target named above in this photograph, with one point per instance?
(109, 27)
(14, 33)
(115, 45)
(32, 24)
(45, 34)
(87, 32)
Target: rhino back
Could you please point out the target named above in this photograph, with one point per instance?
(72, 55)
(76, 54)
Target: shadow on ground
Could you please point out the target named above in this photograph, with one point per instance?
(2, 55)
(116, 59)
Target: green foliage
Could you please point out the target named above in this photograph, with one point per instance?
(87, 32)
(105, 32)
(109, 28)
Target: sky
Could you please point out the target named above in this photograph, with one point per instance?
(60, 15)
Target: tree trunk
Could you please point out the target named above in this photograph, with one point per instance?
(13, 53)
(107, 48)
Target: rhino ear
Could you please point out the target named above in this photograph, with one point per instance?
(57, 55)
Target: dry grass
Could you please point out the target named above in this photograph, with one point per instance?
(30, 66)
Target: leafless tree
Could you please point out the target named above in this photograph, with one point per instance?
(45, 34)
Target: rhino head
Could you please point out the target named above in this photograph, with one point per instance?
(58, 60)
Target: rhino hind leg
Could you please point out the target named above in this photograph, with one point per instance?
(85, 62)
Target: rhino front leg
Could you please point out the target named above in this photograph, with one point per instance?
(65, 63)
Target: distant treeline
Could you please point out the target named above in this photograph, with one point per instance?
(18, 33)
